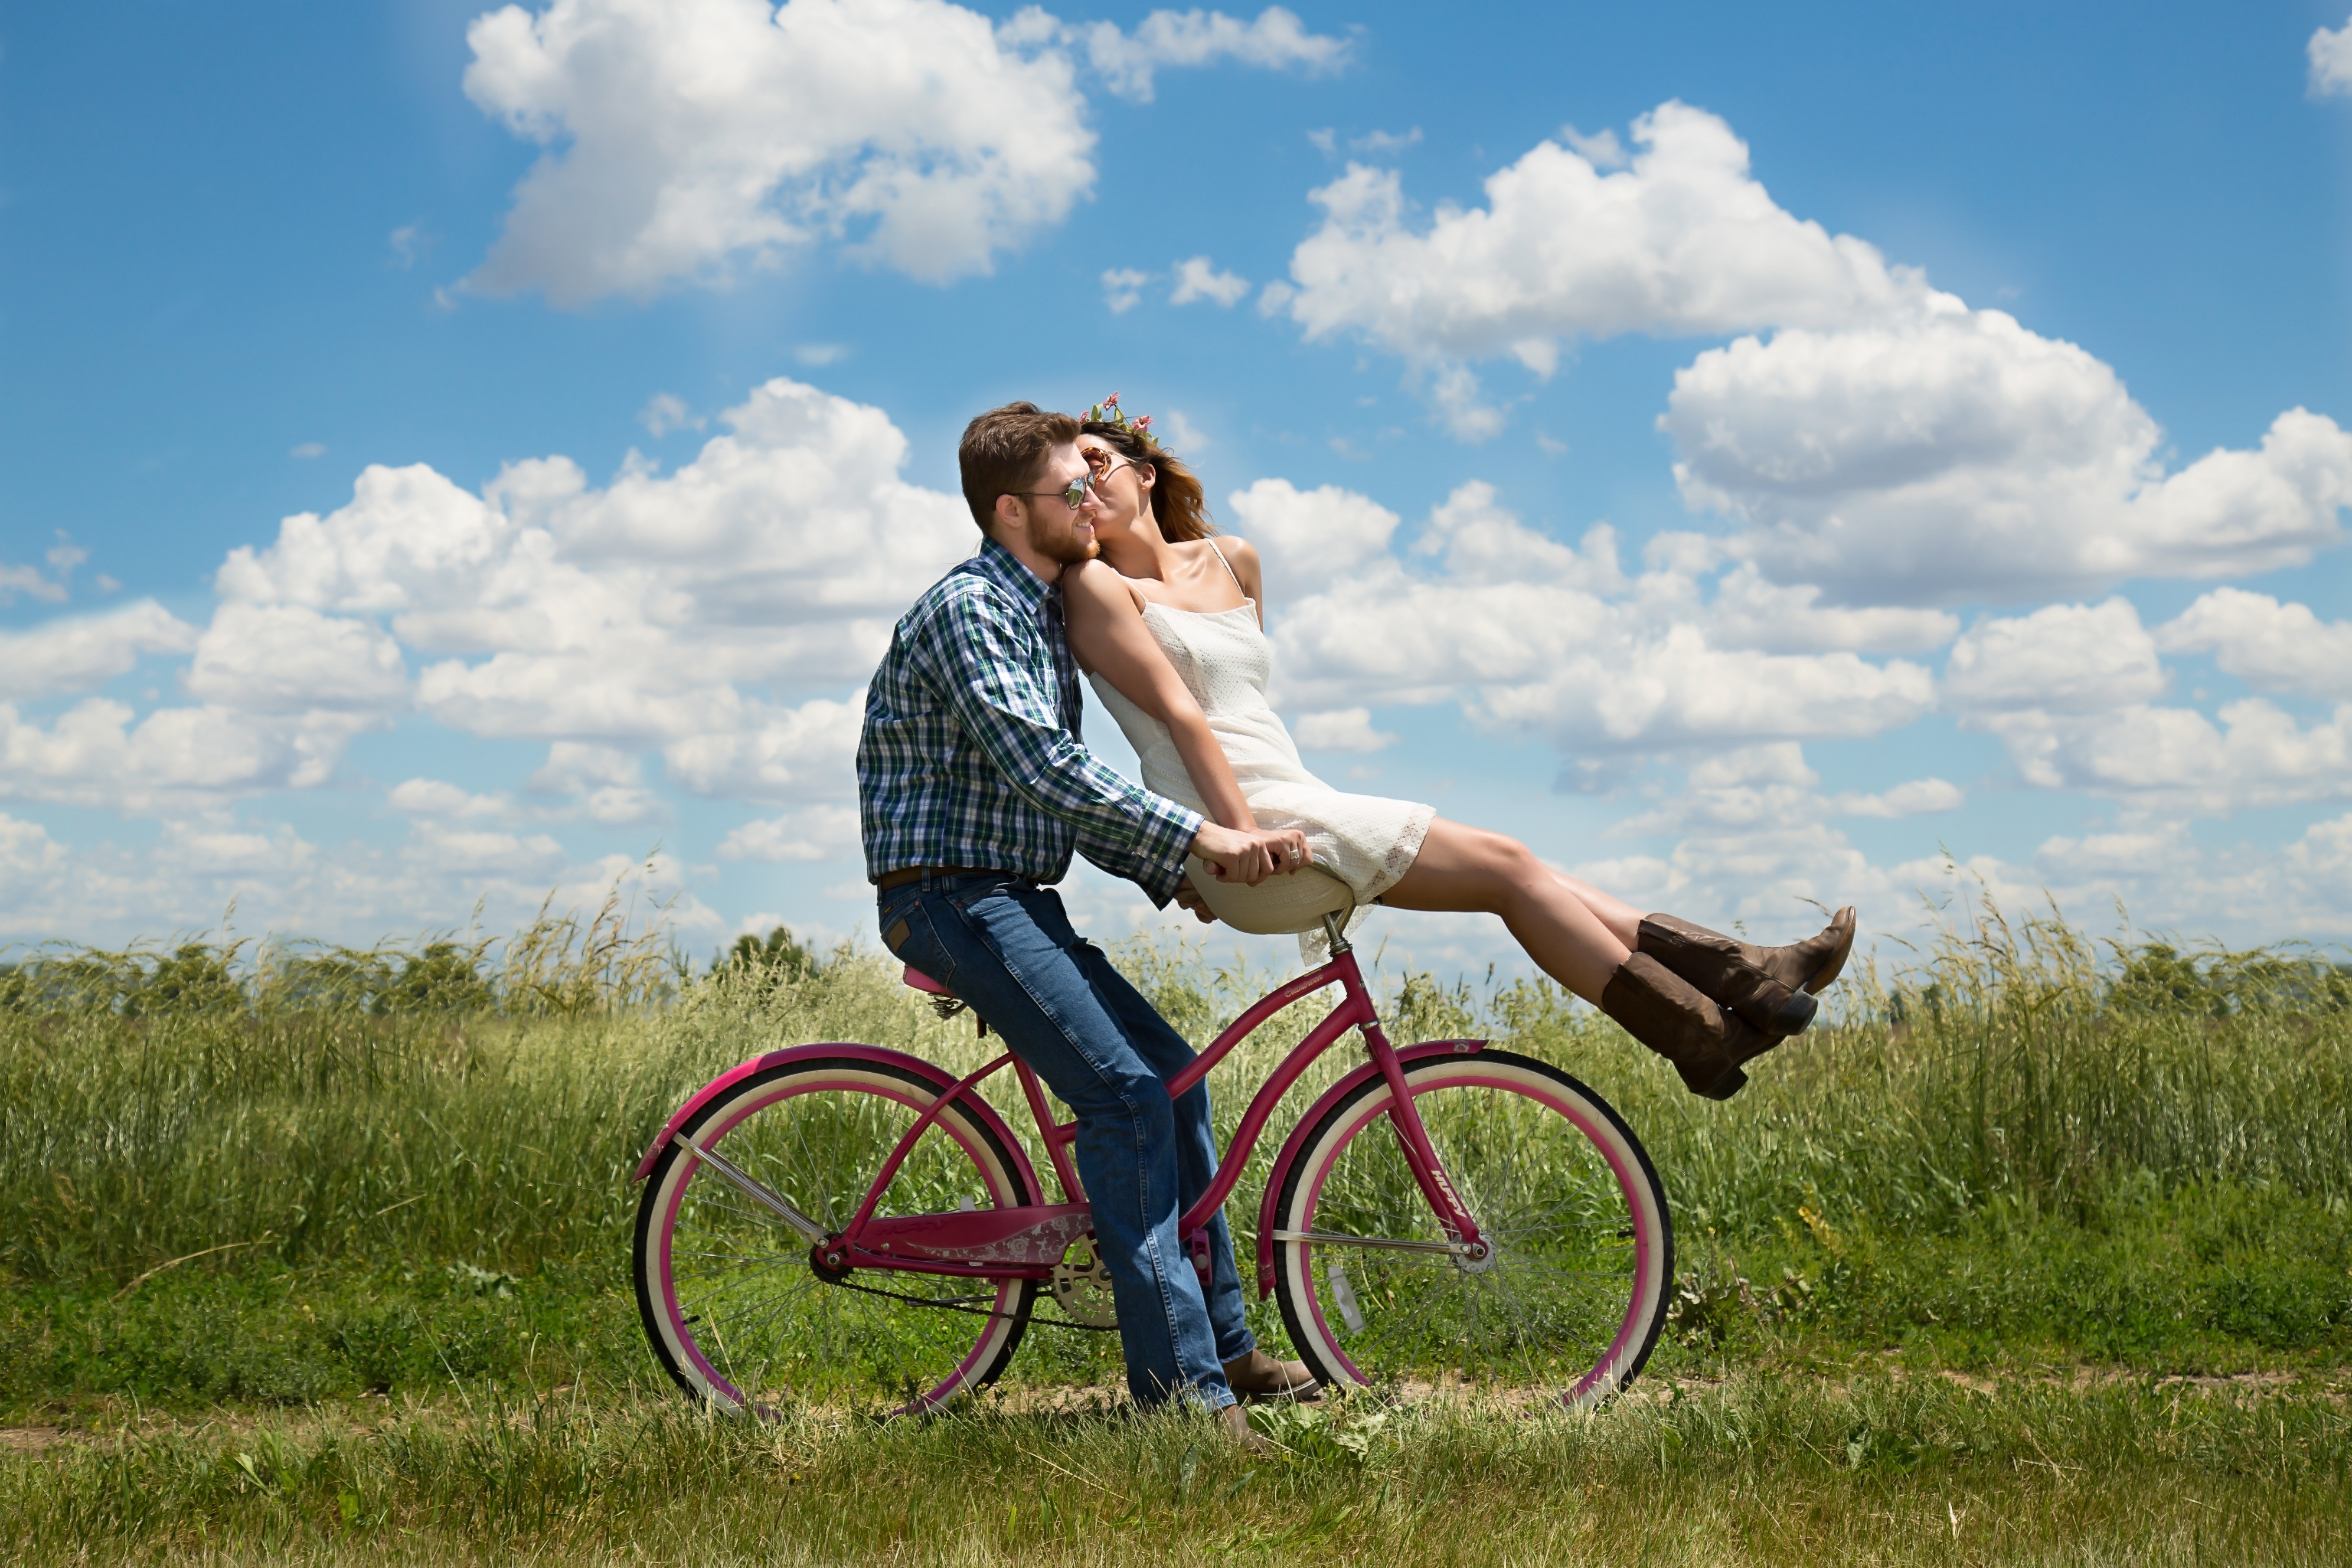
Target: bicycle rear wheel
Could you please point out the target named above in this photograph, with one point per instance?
(1576, 1284)
(731, 1297)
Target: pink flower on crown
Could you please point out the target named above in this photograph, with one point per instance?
(1144, 423)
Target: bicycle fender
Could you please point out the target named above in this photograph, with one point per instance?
(1309, 1121)
(881, 1055)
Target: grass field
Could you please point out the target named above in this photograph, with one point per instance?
(2030, 1257)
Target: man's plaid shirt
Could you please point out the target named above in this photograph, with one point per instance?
(970, 753)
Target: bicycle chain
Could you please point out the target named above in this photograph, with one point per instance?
(1033, 1320)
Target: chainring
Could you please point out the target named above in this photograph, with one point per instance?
(1082, 1286)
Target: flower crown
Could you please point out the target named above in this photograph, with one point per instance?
(1108, 412)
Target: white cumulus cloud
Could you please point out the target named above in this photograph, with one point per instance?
(632, 613)
(28, 580)
(1528, 633)
(2276, 647)
(2177, 759)
(26, 850)
(813, 833)
(2070, 689)
(1913, 797)
(1682, 240)
(1197, 278)
(699, 612)
(1751, 611)
(101, 753)
(433, 797)
(79, 652)
(1308, 537)
(606, 781)
(1957, 456)
(687, 141)
(1276, 40)
(2331, 60)
(1123, 289)
(2062, 659)
(289, 658)
(773, 753)
(686, 138)
(1341, 730)
(1871, 438)
(665, 412)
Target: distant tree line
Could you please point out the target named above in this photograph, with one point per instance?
(566, 965)
(544, 969)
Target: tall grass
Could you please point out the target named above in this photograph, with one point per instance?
(296, 1172)
(2010, 1067)
(427, 1104)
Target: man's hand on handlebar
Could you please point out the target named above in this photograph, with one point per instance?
(1251, 857)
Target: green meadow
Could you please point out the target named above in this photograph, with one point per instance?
(2040, 1251)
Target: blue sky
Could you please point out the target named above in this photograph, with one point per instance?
(1894, 349)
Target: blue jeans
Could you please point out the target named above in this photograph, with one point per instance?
(1006, 948)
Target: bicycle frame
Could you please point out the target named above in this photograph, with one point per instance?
(1027, 1242)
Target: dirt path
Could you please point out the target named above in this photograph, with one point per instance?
(365, 1417)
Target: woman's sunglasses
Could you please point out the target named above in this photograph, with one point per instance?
(1100, 466)
(1103, 465)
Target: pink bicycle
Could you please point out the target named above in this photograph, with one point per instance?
(841, 1221)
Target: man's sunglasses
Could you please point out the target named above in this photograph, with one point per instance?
(1072, 495)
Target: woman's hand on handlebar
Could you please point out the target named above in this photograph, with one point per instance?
(1251, 857)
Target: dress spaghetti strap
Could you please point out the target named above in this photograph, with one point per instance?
(1229, 568)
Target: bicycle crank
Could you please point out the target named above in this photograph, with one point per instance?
(1083, 1287)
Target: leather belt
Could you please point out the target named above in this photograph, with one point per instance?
(905, 874)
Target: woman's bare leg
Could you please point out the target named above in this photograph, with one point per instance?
(1470, 869)
(1623, 921)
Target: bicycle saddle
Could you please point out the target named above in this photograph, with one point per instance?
(924, 983)
(1279, 906)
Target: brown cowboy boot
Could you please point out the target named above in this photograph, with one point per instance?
(1705, 1042)
(1258, 1375)
(1768, 986)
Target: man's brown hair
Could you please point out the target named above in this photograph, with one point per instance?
(1002, 451)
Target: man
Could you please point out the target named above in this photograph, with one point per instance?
(974, 788)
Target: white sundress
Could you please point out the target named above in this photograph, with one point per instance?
(1225, 660)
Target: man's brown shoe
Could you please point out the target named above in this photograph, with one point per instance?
(1258, 1375)
(1236, 1422)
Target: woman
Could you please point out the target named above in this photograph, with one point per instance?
(1168, 625)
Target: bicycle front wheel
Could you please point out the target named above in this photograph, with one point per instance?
(732, 1299)
(1576, 1284)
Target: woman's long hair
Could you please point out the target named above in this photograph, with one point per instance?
(1179, 504)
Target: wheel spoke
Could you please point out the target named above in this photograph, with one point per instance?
(1559, 1287)
(742, 1259)
(764, 1318)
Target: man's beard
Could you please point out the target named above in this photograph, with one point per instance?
(1065, 545)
